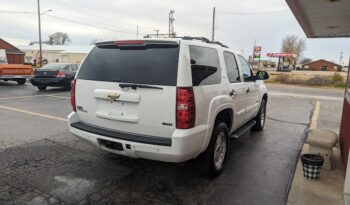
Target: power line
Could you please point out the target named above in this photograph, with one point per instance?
(17, 12)
(90, 25)
(253, 13)
(81, 11)
(68, 20)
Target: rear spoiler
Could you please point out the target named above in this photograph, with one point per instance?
(137, 43)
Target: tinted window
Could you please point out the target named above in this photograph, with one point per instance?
(145, 65)
(206, 57)
(67, 67)
(247, 72)
(55, 66)
(232, 67)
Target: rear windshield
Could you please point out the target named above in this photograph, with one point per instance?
(143, 65)
(55, 66)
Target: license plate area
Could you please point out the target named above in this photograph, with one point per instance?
(110, 145)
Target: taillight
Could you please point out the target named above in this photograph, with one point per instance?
(185, 108)
(60, 74)
(72, 95)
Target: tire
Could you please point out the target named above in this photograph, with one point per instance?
(42, 87)
(211, 163)
(21, 81)
(260, 119)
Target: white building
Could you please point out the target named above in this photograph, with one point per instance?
(56, 53)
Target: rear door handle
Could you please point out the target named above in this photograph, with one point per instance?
(233, 93)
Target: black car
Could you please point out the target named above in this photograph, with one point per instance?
(55, 75)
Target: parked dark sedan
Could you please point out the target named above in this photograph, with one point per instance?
(55, 75)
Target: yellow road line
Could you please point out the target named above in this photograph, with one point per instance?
(55, 96)
(33, 113)
(315, 116)
(33, 96)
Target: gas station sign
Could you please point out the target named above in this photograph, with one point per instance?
(282, 55)
(257, 53)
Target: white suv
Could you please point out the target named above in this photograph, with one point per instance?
(170, 100)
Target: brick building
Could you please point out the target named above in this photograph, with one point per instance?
(13, 54)
(321, 65)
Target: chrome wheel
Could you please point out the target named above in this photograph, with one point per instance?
(220, 150)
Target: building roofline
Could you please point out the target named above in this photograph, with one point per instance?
(321, 60)
(16, 49)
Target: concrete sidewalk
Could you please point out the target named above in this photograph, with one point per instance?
(328, 190)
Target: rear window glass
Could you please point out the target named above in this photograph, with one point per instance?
(206, 57)
(142, 65)
(55, 66)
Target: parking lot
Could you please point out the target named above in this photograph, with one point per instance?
(42, 163)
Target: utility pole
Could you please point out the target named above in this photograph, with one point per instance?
(157, 31)
(137, 32)
(40, 48)
(171, 23)
(213, 28)
(341, 57)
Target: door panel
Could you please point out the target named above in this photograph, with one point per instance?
(237, 89)
(238, 94)
(252, 91)
(252, 103)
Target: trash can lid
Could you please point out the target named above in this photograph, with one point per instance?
(323, 137)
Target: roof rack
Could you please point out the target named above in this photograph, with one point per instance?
(187, 38)
(203, 39)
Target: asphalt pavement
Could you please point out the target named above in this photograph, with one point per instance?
(42, 163)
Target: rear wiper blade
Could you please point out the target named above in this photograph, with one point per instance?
(134, 86)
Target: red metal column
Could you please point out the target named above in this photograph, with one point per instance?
(344, 134)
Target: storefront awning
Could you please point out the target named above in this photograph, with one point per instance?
(322, 18)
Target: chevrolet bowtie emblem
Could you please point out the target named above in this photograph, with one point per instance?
(113, 96)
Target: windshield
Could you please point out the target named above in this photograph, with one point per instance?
(145, 65)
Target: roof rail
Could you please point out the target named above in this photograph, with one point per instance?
(187, 38)
(203, 39)
(219, 43)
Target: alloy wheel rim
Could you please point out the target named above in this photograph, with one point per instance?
(220, 150)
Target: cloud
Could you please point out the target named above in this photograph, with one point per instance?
(192, 17)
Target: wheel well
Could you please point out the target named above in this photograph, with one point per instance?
(225, 116)
(265, 97)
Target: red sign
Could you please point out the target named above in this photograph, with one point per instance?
(282, 55)
(257, 48)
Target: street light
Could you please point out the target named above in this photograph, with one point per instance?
(39, 20)
(46, 12)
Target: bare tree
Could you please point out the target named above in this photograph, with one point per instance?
(94, 41)
(305, 60)
(59, 38)
(294, 44)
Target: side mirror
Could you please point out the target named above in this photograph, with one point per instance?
(262, 75)
(201, 72)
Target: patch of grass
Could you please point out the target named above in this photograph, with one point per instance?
(339, 84)
(337, 78)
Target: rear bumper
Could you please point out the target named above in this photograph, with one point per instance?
(182, 146)
(50, 81)
(14, 77)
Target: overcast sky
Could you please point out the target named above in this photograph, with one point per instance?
(118, 19)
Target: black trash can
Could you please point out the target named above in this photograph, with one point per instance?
(312, 165)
